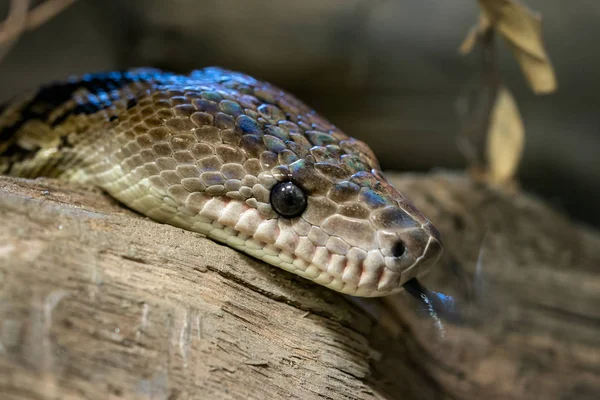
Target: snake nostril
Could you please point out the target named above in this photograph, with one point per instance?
(399, 249)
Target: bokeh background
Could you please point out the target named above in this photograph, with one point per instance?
(385, 71)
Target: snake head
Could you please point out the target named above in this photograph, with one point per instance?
(313, 200)
(358, 234)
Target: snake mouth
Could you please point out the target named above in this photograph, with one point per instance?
(298, 266)
(355, 279)
(354, 274)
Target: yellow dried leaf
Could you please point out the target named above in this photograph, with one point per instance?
(522, 29)
(505, 140)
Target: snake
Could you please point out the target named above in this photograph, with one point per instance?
(237, 159)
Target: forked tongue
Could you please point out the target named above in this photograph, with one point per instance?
(438, 305)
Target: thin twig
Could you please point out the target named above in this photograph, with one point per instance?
(20, 20)
(476, 103)
(14, 25)
(45, 12)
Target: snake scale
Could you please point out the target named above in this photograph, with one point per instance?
(234, 158)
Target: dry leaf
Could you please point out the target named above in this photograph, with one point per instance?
(505, 140)
(522, 29)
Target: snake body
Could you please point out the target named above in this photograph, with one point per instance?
(205, 151)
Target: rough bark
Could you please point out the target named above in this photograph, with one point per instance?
(98, 302)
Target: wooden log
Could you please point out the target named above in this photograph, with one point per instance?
(526, 281)
(98, 302)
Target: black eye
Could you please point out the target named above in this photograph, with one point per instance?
(288, 200)
(399, 249)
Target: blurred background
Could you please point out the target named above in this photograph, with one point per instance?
(385, 71)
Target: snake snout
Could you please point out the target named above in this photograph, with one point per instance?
(410, 252)
(409, 243)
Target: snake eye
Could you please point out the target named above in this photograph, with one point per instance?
(288, 200)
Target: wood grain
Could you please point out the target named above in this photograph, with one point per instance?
(97, 302)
